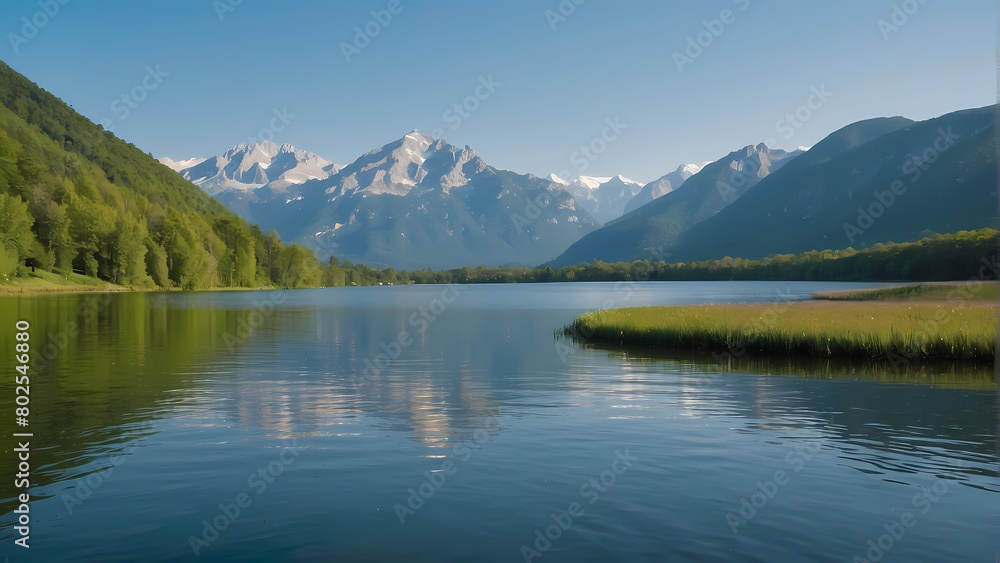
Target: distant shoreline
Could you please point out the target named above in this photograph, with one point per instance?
(17, 288)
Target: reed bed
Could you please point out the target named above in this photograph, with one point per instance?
(953, 293)
(886, 330)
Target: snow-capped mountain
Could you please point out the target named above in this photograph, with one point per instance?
(659, 223)
(250, 167)
(663, 185)
(419, 202)
(414, 162)
(603, 197)
(178, 165)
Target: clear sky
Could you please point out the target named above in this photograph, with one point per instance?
(554, 80)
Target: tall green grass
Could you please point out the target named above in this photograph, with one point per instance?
(894, 331)
(955, 293)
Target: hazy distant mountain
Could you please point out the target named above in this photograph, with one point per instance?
(419, 202)
(663, 185)
(249, 167)
(874, 181)
(659, 222)
(604, 198)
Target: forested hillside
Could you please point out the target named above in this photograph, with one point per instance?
(74, 197)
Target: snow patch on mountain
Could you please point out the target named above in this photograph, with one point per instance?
(663, 185)
(178, 165)
(250, 167)
(602, 197)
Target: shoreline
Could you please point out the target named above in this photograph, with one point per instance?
(15, 289)
(973, 290)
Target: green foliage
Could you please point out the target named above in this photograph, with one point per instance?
(8, 264)
(16, 238)
(156, 264)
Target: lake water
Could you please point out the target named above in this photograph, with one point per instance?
(428, 423)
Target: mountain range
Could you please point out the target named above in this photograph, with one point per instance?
(662, 186)
(414, 203)
(660, 221)
(80, 199)
(604, 198)
(878, 180)
(419, 202)
(248, 167)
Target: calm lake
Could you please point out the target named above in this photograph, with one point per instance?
(434, 423)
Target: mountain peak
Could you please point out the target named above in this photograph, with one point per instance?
(252, 166)
(691, 169)
(265, 147)
(178, 165)
(625, 180)
(402, 165)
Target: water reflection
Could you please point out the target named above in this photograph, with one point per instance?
(102, 366)
(196, 391)
(964, 374)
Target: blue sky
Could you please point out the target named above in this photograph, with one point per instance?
(557, 72)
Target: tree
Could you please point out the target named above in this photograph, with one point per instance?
(273, 242)
(156, 264)
(15, 229)
(297, 268)
(127, 254)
